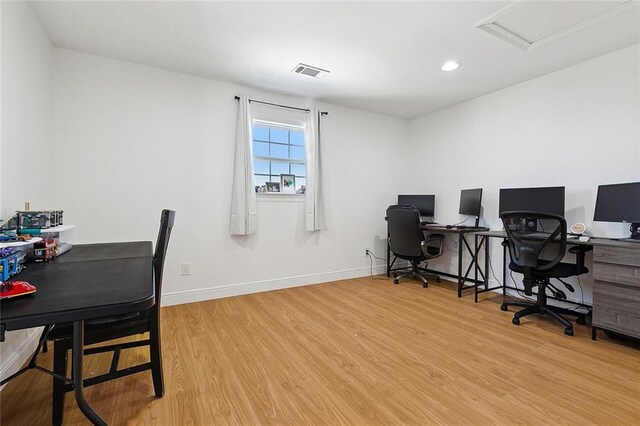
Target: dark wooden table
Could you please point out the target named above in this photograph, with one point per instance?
(91, 281)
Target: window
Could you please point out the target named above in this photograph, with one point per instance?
(278, 149)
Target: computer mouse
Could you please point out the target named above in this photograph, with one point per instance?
(448, 226)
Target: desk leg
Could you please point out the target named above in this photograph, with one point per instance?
(78, 390)
(388, 256)
(460, 279)
(475, 287)
(486, 263)
(504, 271)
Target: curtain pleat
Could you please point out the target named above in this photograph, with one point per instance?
(244, 212)
(315, 219)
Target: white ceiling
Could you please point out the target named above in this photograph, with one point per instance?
(383, 56)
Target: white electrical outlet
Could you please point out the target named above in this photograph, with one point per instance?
(186, 269)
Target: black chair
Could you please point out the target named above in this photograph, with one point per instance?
(105, 329)
(407, 241)
(525, 247)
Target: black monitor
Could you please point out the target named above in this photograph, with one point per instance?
(471, 202)
(619, 203)
(540, 200)
(424, 203)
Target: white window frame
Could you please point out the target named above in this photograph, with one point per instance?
(279, 196)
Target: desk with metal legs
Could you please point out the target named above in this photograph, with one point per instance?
(462, 278)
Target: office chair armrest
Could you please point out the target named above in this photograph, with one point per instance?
(432, 245)
(580, 252)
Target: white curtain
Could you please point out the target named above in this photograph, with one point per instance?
(315, 213)
(244, 212)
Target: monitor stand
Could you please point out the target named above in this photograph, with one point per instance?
(477, 221)
(531, 225)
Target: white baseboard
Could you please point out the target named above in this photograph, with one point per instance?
(21, 355)
(198, 295)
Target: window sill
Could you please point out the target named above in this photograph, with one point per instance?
(280, 197)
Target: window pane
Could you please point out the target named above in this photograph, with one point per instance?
(260, 133)
(300, 182)
(261, 167)
(260, 180)
(297, 152)
(298, 170)
(280, 151)
(278, 168)
(297, 138)
(260, 149)
(275, 179)
(279, 135)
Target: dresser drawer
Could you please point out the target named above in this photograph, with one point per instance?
(617, 255)
(616, 308)
(619, 274)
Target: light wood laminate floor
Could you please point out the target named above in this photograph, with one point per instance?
(358, 352)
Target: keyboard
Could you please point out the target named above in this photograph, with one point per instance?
(468, 227)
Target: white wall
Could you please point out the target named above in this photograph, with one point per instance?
(27, 166)
(578, 128)
(131, 140)
(26, 110)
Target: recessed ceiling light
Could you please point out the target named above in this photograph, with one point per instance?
(450, 66)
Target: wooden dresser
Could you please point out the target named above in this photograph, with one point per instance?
(616, 287)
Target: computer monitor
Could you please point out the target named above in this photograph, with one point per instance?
(619, 203)
(424, 203)
(471, 203)
(539, 200)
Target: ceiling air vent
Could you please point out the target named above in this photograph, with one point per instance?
(310, 70)
(529, 24)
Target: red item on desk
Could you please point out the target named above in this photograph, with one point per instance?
(15, 288)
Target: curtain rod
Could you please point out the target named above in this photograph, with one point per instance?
(237, 98)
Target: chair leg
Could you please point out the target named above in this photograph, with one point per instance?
(59, 367)
(413, 273)
(155, 350)
(568, 327)
(425, 282)
(526, 311)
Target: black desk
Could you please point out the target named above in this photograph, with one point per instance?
(91, 281)
(463, 244)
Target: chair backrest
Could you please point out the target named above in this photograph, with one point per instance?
(405, 234)
(525, 248)
(166, 224)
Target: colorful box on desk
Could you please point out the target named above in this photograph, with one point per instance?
(10, 264)
(42, 219)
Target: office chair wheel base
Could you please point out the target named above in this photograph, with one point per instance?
(504, 307)
(580, 321)
(396, 281)
(568, 331)
(515, 321)
(437, 279)
(425, 285)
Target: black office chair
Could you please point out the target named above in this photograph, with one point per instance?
(105, 329)
(407, 241)
(525, 247)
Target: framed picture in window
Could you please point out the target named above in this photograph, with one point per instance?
(273, 186)
(288, 184)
